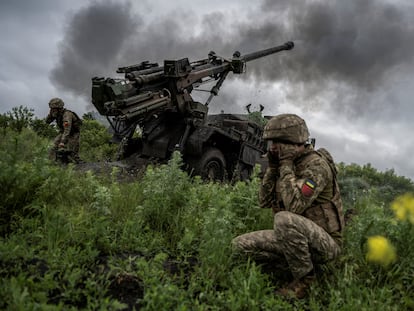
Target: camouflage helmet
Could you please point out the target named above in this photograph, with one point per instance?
(56, 103)
(288, 128)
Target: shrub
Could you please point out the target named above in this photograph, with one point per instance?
(95, 142)
(23, 167)
(20, 118)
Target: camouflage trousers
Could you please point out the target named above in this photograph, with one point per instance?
(295, 243)
(72, 147)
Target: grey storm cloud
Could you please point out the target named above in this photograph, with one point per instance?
(350, 46)
(93, 38)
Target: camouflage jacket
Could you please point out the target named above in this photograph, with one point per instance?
(68, 123)
(307, 187)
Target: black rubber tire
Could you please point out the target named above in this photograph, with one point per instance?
(211, 166)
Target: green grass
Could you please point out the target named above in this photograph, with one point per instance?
(76, 241)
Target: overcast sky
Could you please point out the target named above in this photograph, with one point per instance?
(349, 75)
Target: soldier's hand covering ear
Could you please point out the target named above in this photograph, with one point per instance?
(273, 161)
(287, 152)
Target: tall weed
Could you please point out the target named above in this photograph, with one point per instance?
(164, 202)
(23, 167)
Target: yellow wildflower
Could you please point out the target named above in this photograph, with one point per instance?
(403, 207)
(380, 251)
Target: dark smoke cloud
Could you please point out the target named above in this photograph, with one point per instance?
(93, 40)
(349, 48)
(355, 41)
(356, 47)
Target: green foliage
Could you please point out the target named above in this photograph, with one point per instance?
(43, 129)
(165, 200)
(363, 286)
(257, 117)
(23, 118)
(19, 118)
(95, 142)
(88, 116)
(357, 181)
(71, 240)
(4, 123)
(22, 172)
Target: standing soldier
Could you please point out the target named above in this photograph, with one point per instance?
(301, 188)
(67, 142)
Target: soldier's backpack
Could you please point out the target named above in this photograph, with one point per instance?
(336, 200)
(78, 122)
(328, 157)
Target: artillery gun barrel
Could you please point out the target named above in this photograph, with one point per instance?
(136, 111)
(137, 74)
(131, 75)
(142, 80)
(252, 56)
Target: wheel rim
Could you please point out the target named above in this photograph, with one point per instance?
(213, 170)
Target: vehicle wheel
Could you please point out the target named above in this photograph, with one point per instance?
(211, 166)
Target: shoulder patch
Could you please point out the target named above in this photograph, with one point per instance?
(308, 188)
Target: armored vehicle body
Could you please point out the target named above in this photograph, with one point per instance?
(157, 101)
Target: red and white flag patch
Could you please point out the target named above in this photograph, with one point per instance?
(308, 188)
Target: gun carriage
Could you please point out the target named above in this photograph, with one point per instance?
(157, 100)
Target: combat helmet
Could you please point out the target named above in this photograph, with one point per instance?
(56, 103)
(286, 128)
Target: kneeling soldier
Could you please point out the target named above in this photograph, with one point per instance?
(300, 186)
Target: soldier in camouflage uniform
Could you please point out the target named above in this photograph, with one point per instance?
(301, 188)
(69, 131)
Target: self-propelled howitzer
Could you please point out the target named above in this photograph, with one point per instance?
(158, 100)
